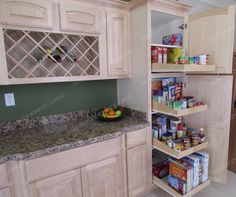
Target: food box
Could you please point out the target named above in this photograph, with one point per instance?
(177, 184)
(174, 39)
(204, 165)
(195, 163)
(182, 171)
(167, 81)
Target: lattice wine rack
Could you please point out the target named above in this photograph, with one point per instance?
(38, 54)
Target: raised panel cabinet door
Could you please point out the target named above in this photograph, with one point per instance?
(216, 91)
(67, 184)
(5, 192)
(81, 17)
(137, 170)
(102, 179)
(29, 13)
(212, 33)
(118, 42)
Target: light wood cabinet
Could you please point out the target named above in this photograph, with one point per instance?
(103, 178)
(27, 13)
(66, 184)
(5, 192)
(81, 17)
(118, 42)
(137, 170)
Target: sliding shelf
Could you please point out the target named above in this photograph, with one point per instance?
(157, 144)
(162, 183)
(164, 109)
(190, 68)
(166, 46)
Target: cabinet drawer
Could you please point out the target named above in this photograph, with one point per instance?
(51, 165)
(80, 17)
(3, 176)
(136, 138)
(31, 13)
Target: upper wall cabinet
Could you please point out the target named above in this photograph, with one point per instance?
(212, 33)
(81, 17)
(118, 42)
(27, 13)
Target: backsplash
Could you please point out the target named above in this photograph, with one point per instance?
(55, 98)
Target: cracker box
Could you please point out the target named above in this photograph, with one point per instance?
(182, 171)
(177, 184)
(204, 165)
(195, 164)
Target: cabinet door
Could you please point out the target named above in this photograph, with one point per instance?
(212, 33)
(137, 170)
(102, 179)
(217, 92)
(118, 42)
(31, 13)
(80, 17)
(5, 192)
(67, 184)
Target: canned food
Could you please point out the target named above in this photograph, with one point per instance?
(190, 131)
(178, 145)
(184, 104)
(186, 142)
(195, 139)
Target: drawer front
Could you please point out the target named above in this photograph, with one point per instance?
(3, 176)
(136, 138)
(80, 17)
(51, 165)
(30, 13)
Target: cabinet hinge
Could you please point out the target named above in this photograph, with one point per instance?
(183, 26)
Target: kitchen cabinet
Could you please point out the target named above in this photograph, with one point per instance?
(66, 184)
(81, 17)
(202, 33)
(118, 42)
(57, 41)
(102, 178)
(137, 170)
(5, 192)
(28, 13)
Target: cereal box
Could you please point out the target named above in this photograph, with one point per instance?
(177, 184)
(204, 165)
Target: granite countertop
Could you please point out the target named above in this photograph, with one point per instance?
(31, 140)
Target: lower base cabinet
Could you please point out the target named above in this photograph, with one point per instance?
(137, 170)
(103, 179)
(5, 192)
(67, 184)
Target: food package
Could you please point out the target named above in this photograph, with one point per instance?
(161, 169)
(204, 165)
(167, 81)
(182, 171)
(195, 163)
(177, 184)
(174, 39)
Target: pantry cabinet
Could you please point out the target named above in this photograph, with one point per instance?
(66, 184)
(4, 182)
(81, 17)
(102, 178)
(5, 193)
(27, 13)
(118, 42)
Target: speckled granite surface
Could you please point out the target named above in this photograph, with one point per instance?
(37, 137)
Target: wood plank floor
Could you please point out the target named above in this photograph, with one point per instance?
(215, 190)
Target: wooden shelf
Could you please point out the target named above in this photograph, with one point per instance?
(156, 67)
(164, 109)
(162, 183)
(157, 144)
(167, 46)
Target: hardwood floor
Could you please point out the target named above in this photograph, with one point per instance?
(215, 190)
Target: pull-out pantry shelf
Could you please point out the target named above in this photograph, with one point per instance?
(162, 183)
(186, 68)
(157, 144)
(164, 109)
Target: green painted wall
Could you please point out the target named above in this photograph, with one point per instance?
(44, 99)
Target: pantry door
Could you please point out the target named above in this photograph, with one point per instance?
(212, 33)
(216, 91)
